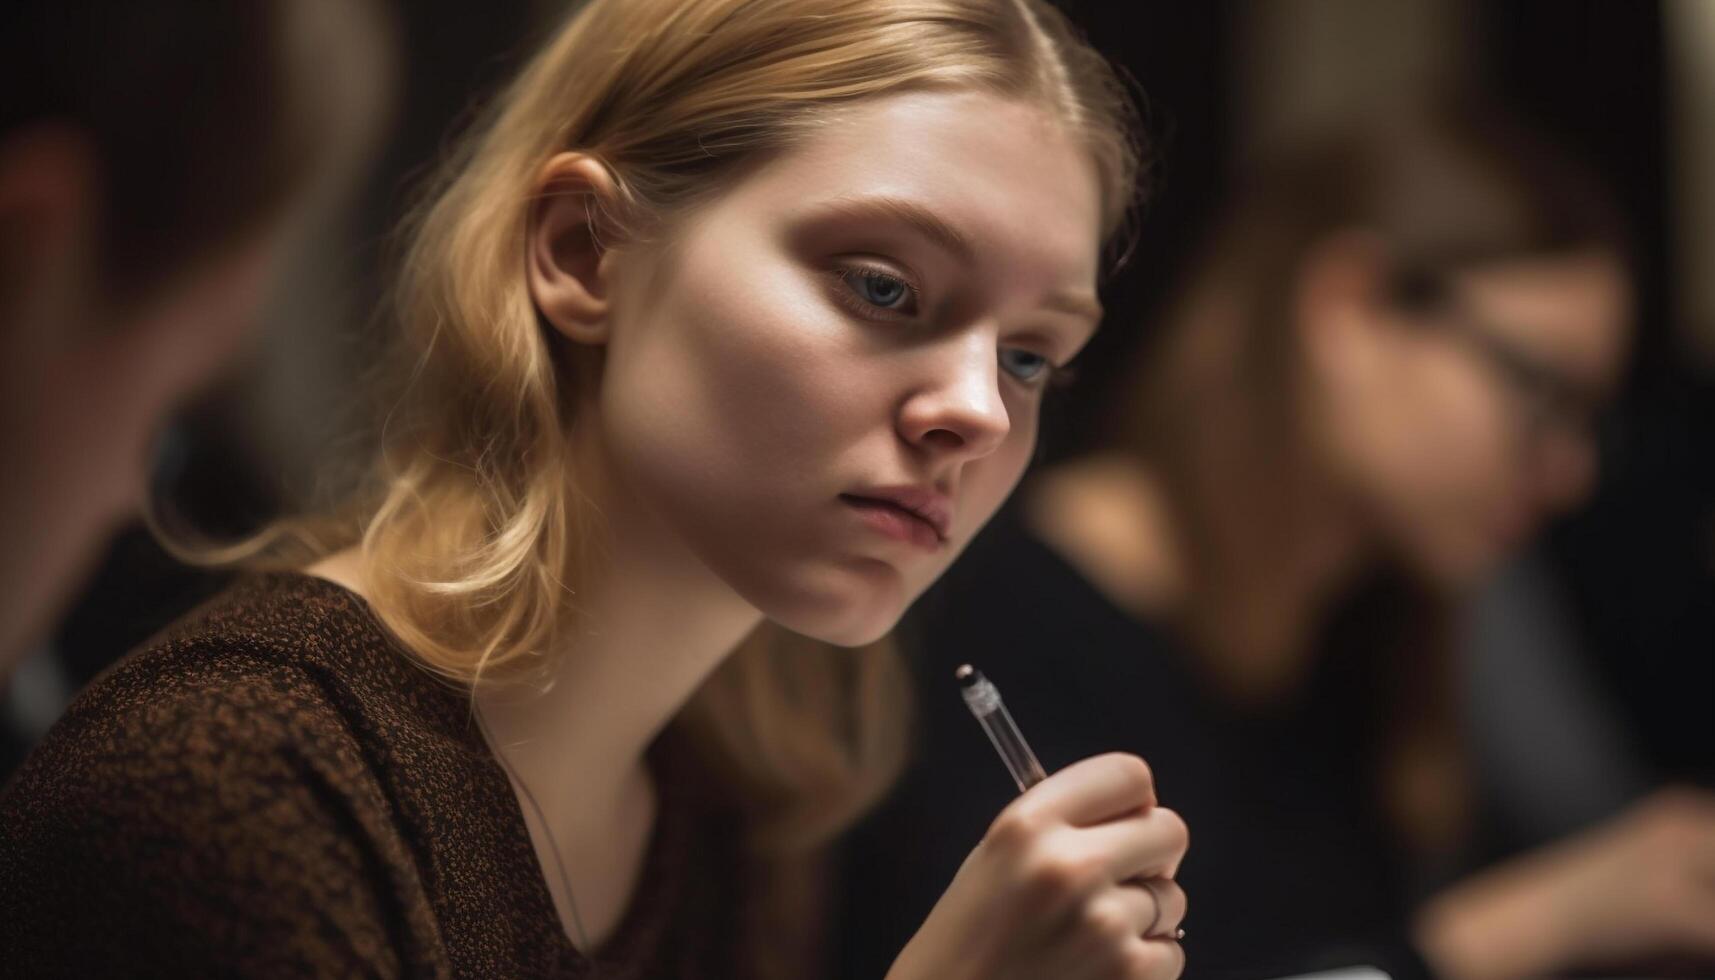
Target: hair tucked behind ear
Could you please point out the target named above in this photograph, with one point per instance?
(473, 526)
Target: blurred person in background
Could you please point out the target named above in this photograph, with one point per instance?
(719, 337)
(156, 160)
(1385, 377)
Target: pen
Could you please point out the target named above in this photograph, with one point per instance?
(983, 699)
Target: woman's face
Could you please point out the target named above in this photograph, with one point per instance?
(829, 378)
(1466, 429)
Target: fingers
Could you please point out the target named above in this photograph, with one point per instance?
(1151, 908)
(1129, 928)
(1155, 959)
(1170, 905)
(1093, 791)
(1145, 845)
(1091, 841)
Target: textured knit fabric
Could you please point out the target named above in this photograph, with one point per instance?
(274, 789)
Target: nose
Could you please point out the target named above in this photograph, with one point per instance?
(959, 410)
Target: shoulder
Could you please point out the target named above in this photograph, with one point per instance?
(281, 670)
(1107, 517)
(210, 781)
(201, 723)
(238, 675)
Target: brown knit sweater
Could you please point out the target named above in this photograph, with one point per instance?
(273, 789)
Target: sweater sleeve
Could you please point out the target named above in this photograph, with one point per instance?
(230, 829)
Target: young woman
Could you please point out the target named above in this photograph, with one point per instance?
(733, 320)
(1383, 379)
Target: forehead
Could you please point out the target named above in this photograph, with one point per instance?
(1002, 172)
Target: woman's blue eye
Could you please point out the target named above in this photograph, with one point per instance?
(1022, 364)
(878, 288)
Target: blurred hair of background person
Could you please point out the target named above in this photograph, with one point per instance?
(156, 162)
(1385, 375)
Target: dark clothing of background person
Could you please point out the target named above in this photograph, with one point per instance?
(1288, 869)
(272, 788)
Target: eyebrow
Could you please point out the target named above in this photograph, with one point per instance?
(916, 216)
(1076, 304)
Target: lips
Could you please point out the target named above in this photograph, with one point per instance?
(917, 514)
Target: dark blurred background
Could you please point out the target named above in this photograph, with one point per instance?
(1628, 85)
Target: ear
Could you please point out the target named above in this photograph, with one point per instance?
(48, 191)
(567, 257)
(1339, 302)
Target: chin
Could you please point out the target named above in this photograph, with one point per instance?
(846, 607)
(855, 625)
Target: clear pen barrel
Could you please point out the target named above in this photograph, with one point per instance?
(985, 703)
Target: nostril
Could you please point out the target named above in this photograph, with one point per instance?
(944, 437)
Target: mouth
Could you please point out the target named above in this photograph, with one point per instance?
(911, 514)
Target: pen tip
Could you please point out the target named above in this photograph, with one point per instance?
(966, 675)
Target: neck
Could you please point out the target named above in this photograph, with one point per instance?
(652, 627)
(652, 624)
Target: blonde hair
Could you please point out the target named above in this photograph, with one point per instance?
(473, 526)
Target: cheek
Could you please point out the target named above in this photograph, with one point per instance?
(737, 402)
(730, 369)
(1425, 433)
(1458, 441)
(1448, 467)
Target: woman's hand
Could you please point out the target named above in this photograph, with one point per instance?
(1640, 886)
(1074, 880)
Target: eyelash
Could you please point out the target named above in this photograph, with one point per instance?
(1052, 376)
(849, 295)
